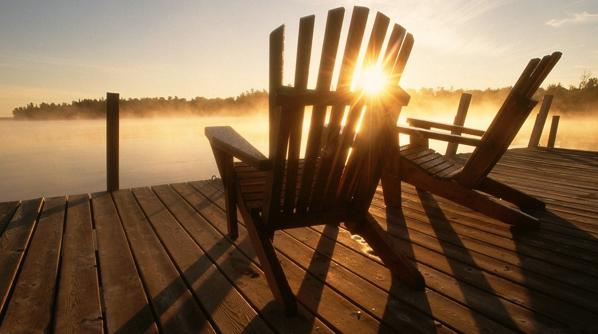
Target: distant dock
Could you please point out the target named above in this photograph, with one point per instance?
(156, 259)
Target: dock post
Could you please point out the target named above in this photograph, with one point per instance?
(554, 126)
(451, 148)
(112, 138)
(534, 138)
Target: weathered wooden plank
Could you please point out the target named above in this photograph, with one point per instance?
(306, 31)
(349, 62)
(576, 247)
(483, 312)
(78, 302)
(471, 221)
(505, 248)
(112, 141)
(400, 317)
(176, 309)
(31, 307)
(245, 274)
(311, 292)
(332, 32)
(442, 308)
(497, 278)
(13, 245)
(226, 306)
(126, 309)
(534, 138)
(6, 212)
(451, 148)
(347, 136)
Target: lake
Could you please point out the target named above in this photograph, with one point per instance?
(49, 158)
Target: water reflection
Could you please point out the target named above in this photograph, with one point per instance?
(47, 158)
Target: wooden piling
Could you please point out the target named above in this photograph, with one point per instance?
(534, 138)
(112, 141)
(554, 125)
(451, 148)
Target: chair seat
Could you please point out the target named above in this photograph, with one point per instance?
(432, 162)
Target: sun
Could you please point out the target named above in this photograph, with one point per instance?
(373, 80)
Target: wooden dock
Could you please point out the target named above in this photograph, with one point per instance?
(156, 260)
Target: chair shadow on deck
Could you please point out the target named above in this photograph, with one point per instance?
(474, 286)
(580, 313)
(303, 323)
(397, 227)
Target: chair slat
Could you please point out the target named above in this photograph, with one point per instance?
(306, 31)
(347, 136)
(401, 62)
(507, 122)
(351, 53)
(332, 33)
(394, 46)
(278, 126)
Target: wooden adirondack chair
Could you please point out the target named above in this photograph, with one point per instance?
(463, 184)
(336, 180)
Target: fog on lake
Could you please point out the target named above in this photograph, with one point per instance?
(51, 158)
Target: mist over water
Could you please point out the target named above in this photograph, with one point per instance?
(51, 158)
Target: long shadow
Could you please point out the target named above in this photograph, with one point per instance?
(584, 319)
(301, 323)
(310, 291)
(396, 225)
(442, 226)
(207, 258)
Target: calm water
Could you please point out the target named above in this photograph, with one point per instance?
(48, 158)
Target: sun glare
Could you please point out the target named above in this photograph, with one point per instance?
(373, 80)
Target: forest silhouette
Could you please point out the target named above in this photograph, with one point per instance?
(581, 99)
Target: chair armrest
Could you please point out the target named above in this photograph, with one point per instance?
(444, 126)
(230, 142)
(439, 135)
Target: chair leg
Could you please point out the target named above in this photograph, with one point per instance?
(391, 182)
(230, 199)
(269, 262)
(227, 172)
(503, 191)
(401, 266)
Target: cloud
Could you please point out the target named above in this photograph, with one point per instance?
(575, 18)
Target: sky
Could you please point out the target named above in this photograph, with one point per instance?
(59, 51)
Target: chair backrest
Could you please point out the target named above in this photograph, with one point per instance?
(335, 162)
(507, 122)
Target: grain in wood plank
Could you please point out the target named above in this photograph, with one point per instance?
(31, 306)
(480, 313)
(78, 302)
(125, 305)
(473, 220)
(400, 317)
(469, 225)
(13, 245)
(557, 267)
(442, 308)
(173, 303)
(317, 297)
(7, 209)
(238, 268)
(225, 305)
(541, 294)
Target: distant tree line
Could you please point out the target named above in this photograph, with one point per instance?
(250, 101)
(575, 99)
(582, 98)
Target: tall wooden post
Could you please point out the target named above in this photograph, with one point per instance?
(554, 125)
(534, 139)
(112, 136)
(451, 148)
